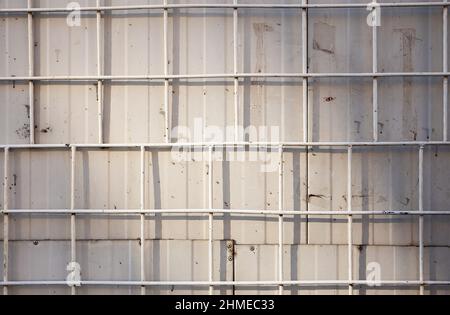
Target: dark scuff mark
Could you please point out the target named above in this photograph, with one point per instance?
(381, 128)
(406, 202)
(408, 41)
(310, 196)
(46, 130)
(24, 131)
(358, 126)
(324, 38)
(27, 109)
(317, 46)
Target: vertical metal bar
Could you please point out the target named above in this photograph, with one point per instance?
(306, 136)
(445, 109)
(73, 251)
(5, 220)
(167, 133)
(142, 206)
(235, 69)
(375, 108)
(445, 69)
(350, 220)
(31, 71)
(305, 71)
(280, 219)
(210, 218)
(99, 73)
(375, 70)
(421, 220)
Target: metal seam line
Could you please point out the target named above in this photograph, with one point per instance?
(421, 219)
(167, 133)
(210, 218)
(229, 6)
(226, 144)
(280, 220)
(142, 217)
(31, 70)
(445, 69)
(235, 70)
(5, 219)
(221, 211)
(223, 76)
(73, 252)
(99, 74)
(233, 283)
(350, 220)
(375, 70)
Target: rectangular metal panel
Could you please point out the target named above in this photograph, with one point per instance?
(172, 260)
(200, 42)
(324, 262)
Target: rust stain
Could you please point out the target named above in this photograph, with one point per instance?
(408, 40)
(260, 29)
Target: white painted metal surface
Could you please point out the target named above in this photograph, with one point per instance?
(88, 116)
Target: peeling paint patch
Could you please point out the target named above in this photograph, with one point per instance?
(260, 29)
(324, 39)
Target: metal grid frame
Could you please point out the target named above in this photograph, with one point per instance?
(302, 6)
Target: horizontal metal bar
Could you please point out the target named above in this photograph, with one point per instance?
(287, 145)
(235, 283)
(224, 6)
(218, 211)
(223, 76)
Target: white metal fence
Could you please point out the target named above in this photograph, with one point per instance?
(211, 147)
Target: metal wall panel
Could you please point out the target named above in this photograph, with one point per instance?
(118, 260)
(201, 41)
(324, 262)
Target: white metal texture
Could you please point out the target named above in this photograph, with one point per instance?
(91, 96)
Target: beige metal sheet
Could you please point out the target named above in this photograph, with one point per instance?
(201, 41)
(329, 262)
(172, 260)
